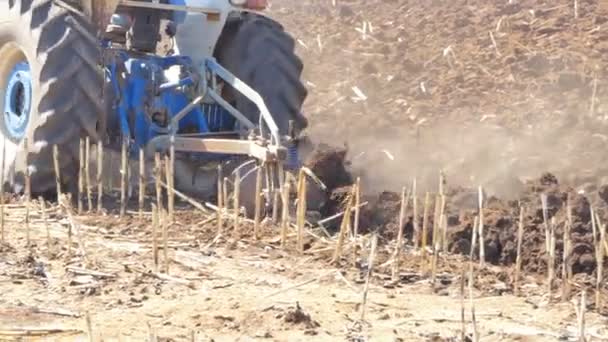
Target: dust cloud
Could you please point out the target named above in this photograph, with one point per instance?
(492, 93)
(498, 158)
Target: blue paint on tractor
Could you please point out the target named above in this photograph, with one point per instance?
(293, 161)
(146, 100)
(18, 101)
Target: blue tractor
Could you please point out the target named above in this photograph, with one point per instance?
(214, 79)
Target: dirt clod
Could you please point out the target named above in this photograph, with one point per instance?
(299, 317)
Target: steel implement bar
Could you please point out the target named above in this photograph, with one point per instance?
(251, 94)
(174, 124)
(219, 146)
(169, 7)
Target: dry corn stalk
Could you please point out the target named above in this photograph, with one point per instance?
(437, 212)
(142, 182)
(124, 166)
(155, 220)
(157, 178)
(99, 176)
(57, 171)
(275, 205)
(415, 214)
(471, 280)
(551, 272)
(171, 180)
(520, 234)
(301, 211)
(482, 247)
(220, 201)
(46, 226)
(87, 173)
(600, 268)
(343, 228)
(397, 253)
(370, 268)
(566, 269)
(443, 225)
(425, 222)
(237, 207)
(164, 223)
(258, 202)
(357, 208)
(285, 214)
(593, 225)
(543, 201)
(580, 314)
(80, 175)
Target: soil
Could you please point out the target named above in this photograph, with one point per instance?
(524, 78)
(227, 289)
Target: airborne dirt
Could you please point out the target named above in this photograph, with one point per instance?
(507, 95)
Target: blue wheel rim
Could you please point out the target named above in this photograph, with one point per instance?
(18, 101)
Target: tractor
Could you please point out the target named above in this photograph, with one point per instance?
(215, 81)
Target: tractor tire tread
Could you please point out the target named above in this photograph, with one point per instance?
(260, 53)
(68, 81)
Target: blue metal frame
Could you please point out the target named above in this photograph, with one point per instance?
(142, 90)
(18, 101)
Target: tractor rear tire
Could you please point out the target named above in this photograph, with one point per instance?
(64, 83)
(260, 53)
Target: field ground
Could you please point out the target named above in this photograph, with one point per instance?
(225, 290)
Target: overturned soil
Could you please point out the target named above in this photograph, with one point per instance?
(493, 94)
